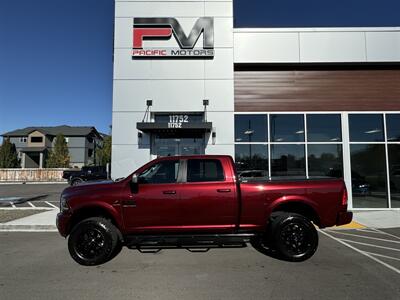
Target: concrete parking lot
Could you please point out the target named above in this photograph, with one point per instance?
(38, 266)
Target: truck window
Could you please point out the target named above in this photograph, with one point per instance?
(203, 170)
(162, 172)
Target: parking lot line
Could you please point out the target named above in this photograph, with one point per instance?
(30, 203)
(383, 256)
(52, 205)
(12, 204)
(370, 245)
(364, 237)
(389, 234)
(362, 252)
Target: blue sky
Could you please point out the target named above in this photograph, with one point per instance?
(56, 55)
(56, 63)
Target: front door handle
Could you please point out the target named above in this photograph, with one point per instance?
(169, 192)
(224, 190)
(129, 203)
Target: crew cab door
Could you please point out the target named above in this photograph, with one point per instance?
(153, 205)
(208, 197)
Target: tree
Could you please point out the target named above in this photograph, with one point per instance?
(59, 156)
(8, 155)
(104, 153)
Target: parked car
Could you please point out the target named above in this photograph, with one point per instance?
(253, 174)
(91, 173)
(197, 203)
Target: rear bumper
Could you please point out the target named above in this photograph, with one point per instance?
(344, 217)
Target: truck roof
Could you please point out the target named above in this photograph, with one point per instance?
(192, 157)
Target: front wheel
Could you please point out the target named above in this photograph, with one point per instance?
(293, 236)
(93, 241)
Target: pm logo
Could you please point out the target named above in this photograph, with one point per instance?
(163, 29)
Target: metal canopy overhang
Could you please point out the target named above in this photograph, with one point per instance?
(187, 128)
(33, 149)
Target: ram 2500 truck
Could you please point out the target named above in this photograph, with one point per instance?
(198, 203)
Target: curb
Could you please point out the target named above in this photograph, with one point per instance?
(27, 228)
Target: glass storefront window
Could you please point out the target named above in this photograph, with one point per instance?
(366, 128)
(368, 176)
(394, 174)
(288, 161)
(251, 128)
(324, 128)
(287, 128)
(393, 127)
(325, 161)
(252, 160)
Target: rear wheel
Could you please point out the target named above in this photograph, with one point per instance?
(93, 241)
(293, 236)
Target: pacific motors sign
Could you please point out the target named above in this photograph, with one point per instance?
(163, 29)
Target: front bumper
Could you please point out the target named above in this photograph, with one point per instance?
(62, 222)
(344, 217)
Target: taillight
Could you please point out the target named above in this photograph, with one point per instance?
(344, 197)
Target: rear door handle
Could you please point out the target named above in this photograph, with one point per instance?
(224, 190)
(169, 192)
(129, 203)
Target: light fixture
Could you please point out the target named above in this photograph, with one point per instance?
(149, 103)
(248, 132)
(205, 104)
(214, 137)
(372, 131)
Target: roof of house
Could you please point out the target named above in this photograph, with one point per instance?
(63, 129)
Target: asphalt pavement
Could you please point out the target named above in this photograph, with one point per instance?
(38, 266)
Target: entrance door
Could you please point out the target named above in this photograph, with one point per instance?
(172, 146)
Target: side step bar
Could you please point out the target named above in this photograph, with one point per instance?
(193, 243)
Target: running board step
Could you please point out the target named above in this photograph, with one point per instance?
(189, 242)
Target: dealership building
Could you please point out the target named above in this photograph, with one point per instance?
(284, 102)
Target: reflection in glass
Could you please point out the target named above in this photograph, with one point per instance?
(394, 172)
(325, 161)
(252, 160)
(287, 128)
(168, 146)
(251, 128)
(366, 128)
(324, 128)
(368, 176)
(288, 160)
(393, 127)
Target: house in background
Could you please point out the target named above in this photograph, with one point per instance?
(33, 144)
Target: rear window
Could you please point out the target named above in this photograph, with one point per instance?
(204, 170)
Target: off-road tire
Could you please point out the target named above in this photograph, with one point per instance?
(93, 241)
(293, 236)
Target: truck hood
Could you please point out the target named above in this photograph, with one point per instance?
(87, 187)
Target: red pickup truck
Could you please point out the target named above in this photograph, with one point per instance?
(198, 203)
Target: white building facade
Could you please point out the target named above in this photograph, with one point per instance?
(286, 103)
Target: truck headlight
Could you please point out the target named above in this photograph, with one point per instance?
(64, 204)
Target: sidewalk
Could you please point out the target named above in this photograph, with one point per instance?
(46, 221)
(378, 219)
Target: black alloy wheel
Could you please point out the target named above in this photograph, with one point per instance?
(93, 241)
(294, 236)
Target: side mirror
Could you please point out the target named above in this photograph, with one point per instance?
(134, 184)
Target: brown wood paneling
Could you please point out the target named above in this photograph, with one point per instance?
(318, 90)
